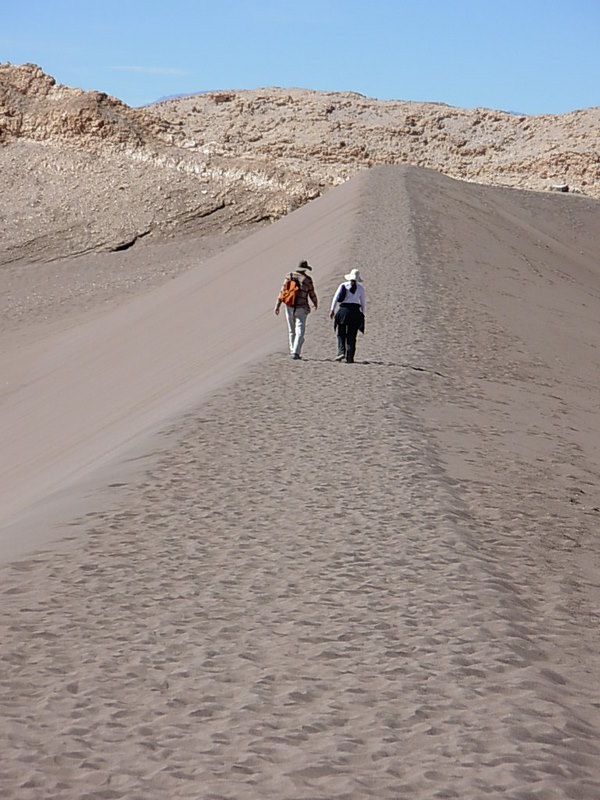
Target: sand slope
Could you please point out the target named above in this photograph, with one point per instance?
(397, 600)
(72, 400)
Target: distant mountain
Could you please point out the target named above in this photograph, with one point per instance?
(174, 97)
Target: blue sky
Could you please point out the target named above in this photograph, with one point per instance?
(527, 56)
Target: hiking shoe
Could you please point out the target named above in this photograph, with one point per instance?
(296, 357)
(340, 357)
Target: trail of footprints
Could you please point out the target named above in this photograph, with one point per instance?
(315, 614)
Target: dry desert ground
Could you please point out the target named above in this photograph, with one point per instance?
(227, 574)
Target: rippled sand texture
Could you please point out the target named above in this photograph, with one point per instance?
(348, 581)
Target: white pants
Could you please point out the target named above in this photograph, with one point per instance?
(296, 321)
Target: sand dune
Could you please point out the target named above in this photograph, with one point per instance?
(73, 400)
(397, 599)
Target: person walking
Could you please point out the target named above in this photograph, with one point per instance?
(297, 313)
(350, 317)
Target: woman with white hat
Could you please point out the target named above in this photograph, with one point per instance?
(350, 316)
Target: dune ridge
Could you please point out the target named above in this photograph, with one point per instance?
(400, 599)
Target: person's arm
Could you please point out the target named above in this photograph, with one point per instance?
(363, 300)
(334, 301)
(313, 295)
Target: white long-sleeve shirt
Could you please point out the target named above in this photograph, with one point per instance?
(359, 296)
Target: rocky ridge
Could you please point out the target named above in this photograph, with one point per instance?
(83, 171)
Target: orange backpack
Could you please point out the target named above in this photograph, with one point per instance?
(289, 291)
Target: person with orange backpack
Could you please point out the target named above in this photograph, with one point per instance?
(295, 293)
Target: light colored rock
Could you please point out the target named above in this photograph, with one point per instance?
(91, 166)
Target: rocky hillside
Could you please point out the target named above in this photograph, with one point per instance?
(82, 171)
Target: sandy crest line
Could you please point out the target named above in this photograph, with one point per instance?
(294, 602)
(246, 651)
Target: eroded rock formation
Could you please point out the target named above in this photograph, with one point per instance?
(83, 171)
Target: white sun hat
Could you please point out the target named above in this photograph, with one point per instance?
(353, 275)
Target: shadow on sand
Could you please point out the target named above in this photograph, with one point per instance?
(371, 363)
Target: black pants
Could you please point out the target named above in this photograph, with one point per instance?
(347, 324)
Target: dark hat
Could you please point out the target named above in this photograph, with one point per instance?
(304, 265)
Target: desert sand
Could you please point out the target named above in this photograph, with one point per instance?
(231, 575)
